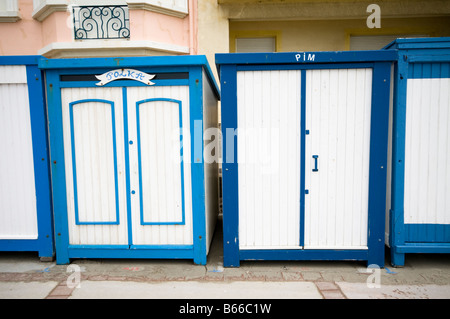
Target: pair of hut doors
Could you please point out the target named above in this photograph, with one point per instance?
(125, 174)
(303, 153)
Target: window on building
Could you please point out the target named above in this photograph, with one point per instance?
(376, 42)
(267, 44)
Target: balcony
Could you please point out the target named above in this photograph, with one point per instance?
(9, 11)
(104, 28)
(101, 22)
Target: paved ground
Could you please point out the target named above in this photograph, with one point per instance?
(22, 276)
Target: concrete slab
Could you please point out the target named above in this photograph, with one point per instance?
(26, 290)
(20, 263)
(196, 290)
(362, 291)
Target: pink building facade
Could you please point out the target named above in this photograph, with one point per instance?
(80, 28)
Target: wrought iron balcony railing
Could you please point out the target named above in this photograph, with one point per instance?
(101, 22)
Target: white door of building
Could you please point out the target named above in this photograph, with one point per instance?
(303, 153)
(337, 150)
(125, 173)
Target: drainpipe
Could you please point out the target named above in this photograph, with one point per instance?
(192, 27)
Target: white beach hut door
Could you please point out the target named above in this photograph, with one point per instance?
(337, 150)
(159, 148)
(95, 165)
(268, 106)
(125, 173)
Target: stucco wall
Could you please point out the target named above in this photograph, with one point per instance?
(331, 35)
(213, 30)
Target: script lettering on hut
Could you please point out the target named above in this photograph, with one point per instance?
(124, 74)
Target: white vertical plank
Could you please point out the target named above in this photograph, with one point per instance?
(322, 151)
(13, 74)
(257, 156)
(312, 97)
(332, 158)
(358, 150)
(364, 226)
(18, 214)
(264, 83)
(350, 159)
(293, 158)
(425, 148)
(269, 159)
(341, 155)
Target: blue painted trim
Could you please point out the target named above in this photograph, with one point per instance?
(185, 247)
(55, 125)
(134, 62)
(124, 62)
(230, 188)
(430, 70)
(302, 57)
(426, 58)
(42, 175)
(162, 252)
(180, 121)
(104, 247)
(427, 233)
(409, 43)
(197, 164)
(27, 245)
(422, 248)
(304, 254)
(378, 161)
(127, 164)
(31, 60)
(303, 133)
(396, 216)
(155, 247)
(72, 142)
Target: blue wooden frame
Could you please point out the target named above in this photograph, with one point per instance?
(180, 121)
(74, 164)
(195, 66)
(412, 238)
(44, 244)
(228, 65)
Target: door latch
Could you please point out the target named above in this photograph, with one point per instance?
(316, 157)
